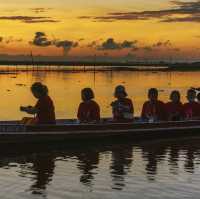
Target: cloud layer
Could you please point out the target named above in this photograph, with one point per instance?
(29, 19)
(111, 44)
(188, 12)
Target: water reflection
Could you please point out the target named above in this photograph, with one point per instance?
(153, 155)
(129, 166)
(88, 162)
(43, 167)
(122, 159)
(65, 89)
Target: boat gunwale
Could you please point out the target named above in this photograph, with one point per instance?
(100, 127)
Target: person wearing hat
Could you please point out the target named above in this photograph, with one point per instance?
(153, 109)
(122, 108)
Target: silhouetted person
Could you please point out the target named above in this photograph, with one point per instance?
(44, 108)
(122, 108)
(153, 109)
(174, 108)
(89, 110)
(191, 108)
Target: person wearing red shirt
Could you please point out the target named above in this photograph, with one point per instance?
(153, 109)
(89, 110)
(122, 108)
(174, 108)
(191, 108)
(44, 108)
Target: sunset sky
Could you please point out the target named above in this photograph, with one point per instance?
(135, 29)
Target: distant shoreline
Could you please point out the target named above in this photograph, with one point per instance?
(103, 66)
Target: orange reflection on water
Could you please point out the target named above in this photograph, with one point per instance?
(65, 89)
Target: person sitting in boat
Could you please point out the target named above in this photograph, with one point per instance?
(44, 108)
(89, 110)
(191, 108)
(153, 109)
(122, 108)
(174, 108)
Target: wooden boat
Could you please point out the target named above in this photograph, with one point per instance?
(70, 132)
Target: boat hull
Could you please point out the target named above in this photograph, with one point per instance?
(82, 133)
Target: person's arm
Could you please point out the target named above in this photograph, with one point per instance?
(195, 89)
(143, 114)
(29, 109)
(79, 113)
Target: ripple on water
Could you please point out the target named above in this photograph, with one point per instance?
(146, 170)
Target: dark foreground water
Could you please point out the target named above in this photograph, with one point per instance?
(151, 169)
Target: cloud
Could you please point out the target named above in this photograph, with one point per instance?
(66, 45)
(166, 45)
(92, 44)
(41, 40)
(40, 10)
(10, 39)
(188, 11)
(162, 44)
(29, 19)
(111, 44)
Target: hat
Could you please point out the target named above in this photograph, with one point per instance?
(120, 89)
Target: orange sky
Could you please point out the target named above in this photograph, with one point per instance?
(158, 29)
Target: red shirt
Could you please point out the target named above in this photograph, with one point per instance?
(154, 109)
(123, 110)
(174, 111)
(191, 110)
(88, 111)
(46, 111)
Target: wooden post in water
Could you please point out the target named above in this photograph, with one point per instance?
(94, 69)
(32, 60)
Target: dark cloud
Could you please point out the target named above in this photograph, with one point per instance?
(81, 39)
(159, 44)
(29, 19)
(93, 44)
(11, 39)
(194, 18)
(190, 12)
(111, 44)
(40, 39)
(66, 45)
(162, 44)
(40, 10)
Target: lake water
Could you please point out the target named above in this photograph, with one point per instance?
(65, 89)
(159, 169)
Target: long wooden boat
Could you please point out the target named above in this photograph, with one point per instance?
(70, 132)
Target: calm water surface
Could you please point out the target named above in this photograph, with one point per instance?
(169, 169)
(160, 169)
(65, 89)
